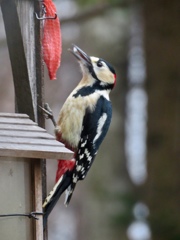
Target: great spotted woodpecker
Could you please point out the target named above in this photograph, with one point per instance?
(82, 124)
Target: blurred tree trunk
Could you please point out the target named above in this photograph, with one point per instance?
(162, 45)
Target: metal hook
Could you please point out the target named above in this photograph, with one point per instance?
(44, 13)
(44, 18)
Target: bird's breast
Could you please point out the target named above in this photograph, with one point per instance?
(71, 116)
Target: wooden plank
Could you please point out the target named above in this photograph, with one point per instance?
(27, 134)
(37, 190)
(34, 141)
(32, 147)
(38, 199)
(30, 152)
(17, 121)
(27, 21)
(4, 126)
(40, 101)
(16, 197)
(21, 75)
(13, 115)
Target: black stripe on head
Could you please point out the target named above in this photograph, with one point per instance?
(109, 65)
(92, 72)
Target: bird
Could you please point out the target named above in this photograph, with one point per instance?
(82, 125)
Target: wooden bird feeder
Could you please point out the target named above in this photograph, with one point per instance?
(24, 143)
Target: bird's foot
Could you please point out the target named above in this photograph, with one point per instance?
(48, 113)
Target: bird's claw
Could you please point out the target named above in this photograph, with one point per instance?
(48, 113)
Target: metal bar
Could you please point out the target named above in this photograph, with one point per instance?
(29, 215)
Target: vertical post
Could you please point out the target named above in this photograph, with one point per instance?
(23, 34)
(37, 179)
(41, 165)
(25, 10)
(19, 56)
(30, 34)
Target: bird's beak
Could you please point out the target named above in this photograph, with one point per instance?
(81, 56)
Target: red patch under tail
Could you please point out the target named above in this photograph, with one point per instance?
(63, 166)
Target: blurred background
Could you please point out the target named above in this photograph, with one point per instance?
(133, 189)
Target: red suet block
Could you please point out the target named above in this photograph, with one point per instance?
(52, 44)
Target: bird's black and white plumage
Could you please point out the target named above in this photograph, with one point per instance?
(94, 128)
(83, 123)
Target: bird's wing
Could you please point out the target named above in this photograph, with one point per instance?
(95, 126)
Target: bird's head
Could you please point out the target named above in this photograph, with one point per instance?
(97, 68)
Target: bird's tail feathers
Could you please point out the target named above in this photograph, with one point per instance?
(52, 198)
(69, 193)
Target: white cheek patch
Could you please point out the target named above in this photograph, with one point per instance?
(101, 123)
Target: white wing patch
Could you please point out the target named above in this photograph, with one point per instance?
(83, 144)
(75, 178)
(101, 123)
(81, 156)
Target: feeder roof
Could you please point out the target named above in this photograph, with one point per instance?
(21, 137)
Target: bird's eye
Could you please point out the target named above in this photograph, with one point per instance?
(99, 64)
